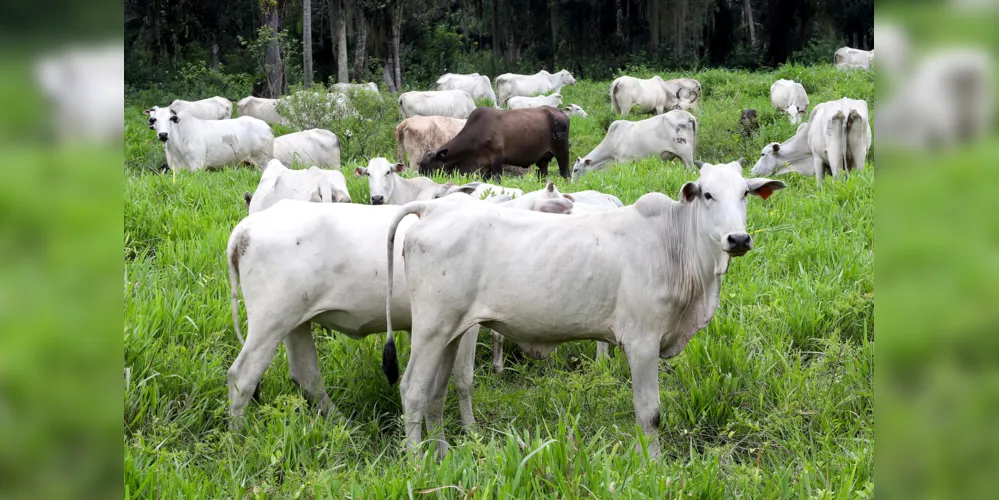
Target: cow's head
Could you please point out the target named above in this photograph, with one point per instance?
(574, 109)
(433, 160)
(772, 157)
(719, 198)
(558, 100)
(795, 113)
(162, 120)
(582, 167)
(565, 78)
(382, 178)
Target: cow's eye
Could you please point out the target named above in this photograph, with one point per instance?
(707, 196)
(152, 121)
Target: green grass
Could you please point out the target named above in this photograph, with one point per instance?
(773, 399)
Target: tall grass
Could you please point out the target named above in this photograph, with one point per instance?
(773, 399)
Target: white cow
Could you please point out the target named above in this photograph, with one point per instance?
(509, 84)
(387, 187)
(84, 88)
(670, 135)
(344, 87)
(453, 103)
(194, 144)
(575, 109)
(420, 134)
(646, 277)
(847, 58)
(310, 147)
(838, 134)
(478, 86)
(651, 95)
(686, 90)
(789, 97)
(892, 42)
(521, 102)
(281, 183)
(213, 108)
(261, 108)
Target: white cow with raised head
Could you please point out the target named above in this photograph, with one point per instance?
(650, 95)
(509, 84)
(213, 108)
(261, 108)
(847, 58)
(278, 182)
(478, 86)
(453, 103)
(837, 134)
(310, 147)
(670, 135)
(789, 97)
(646, 277)
(521, 102)
(193, 144)
(387, 187)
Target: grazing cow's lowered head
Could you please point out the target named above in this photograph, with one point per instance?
(382, 177)
(575, 109)
(771, 158)
(433, 160)
(719, 198)
(161, 120)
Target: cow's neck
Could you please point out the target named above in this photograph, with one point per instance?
(796, 148)
(600, 155)
(407, 190)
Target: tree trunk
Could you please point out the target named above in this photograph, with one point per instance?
(397, 43)
(618, 20)
(215, 54)
(495, 33)
(654, 24)
(554, 23)
(361, 52)
(338, 35)
(747, 5)
(307, 43)
(387, 74)
(272, 65)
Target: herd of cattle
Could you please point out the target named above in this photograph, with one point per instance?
(540, 268)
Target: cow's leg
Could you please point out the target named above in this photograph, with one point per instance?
(245, 372)
(495, 170)
(543, 168)
(303, 363)
(497, 352)
(819, 166)
(435, 408)
(417, 389)
(643, 358)
(562, 157)
(464, 371)
(602, 350)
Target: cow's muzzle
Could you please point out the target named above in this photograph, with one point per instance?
(377, 200)
(163, 136)
(738, 244)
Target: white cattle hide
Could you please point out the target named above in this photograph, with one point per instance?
(453, 103)
(847, 58)
(84, 88)
(261, 108)
(194, 144)
(838, 134)
(213, 108)
(478, 86)
(278, 182)
(520, 102)
(789, 97)
(387, 187)
(646, 277)
(648, 96)
(419, 134)
(344, 87)
(308, 147)
(670, 135)
(509, 84)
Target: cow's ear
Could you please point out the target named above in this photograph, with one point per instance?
(359, 171)
(763, 187)
(587, 161)
(550, 187)
(246, 198)
(399, 167)
(147, 112)
(776, 148)
(569, 197)
(698, 164)
(442, 154)
(689, 192)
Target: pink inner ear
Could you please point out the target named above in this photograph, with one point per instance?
(765, 192)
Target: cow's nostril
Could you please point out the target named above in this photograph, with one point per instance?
(739, 240)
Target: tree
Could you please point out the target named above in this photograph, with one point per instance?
(273, 65)
(307, 43)
(361, 52)
(749, 20)
(396, 42)
(338, 30)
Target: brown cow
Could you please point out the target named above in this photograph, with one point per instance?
(494, 137)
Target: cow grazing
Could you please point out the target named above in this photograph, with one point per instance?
(453, 103)
(847, 58)
(509, 85)
(645, 277)
(213, 108)
(892, 42)
(194, 144)
(261, 108)
(344, 87)
(575, 110)
(687, 92)
(492, 138)
(309, 147)
(671, 135)
(83, 87)
(278, 182)
(419, 134)
(386, 187)
(789, 97)
(648, 96)
(521, 102)
(749, 122)
(478, 86)
(837, 134)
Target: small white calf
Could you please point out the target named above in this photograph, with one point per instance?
(575, 109)
(308, 147)
(520, 102)
(646, 277)
(650, 95)
(195, 144)
(509, 84)
(261, 108)
(847, 58)
(453, 103)
(478, 86)
(281, 183)
(838, 134)
(670, 135)
(789, 97)
(213, 108)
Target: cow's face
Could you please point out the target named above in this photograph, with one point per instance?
(382, 177)
(433, 161)
(566, 78)
(719, 197)
(574, 109)
(795, 113)
(581, 168)
(769, 161)
(162, 120)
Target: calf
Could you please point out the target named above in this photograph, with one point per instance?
(478, 86)
(195, 144)
(509, 84)
(493, 137)
(650, 95)
(667, 136)
(310, 147)
(213, 108)
(521, 102)
(789, 97)
(453, 103)
(281, 183)
(646, 277)
(419, 134)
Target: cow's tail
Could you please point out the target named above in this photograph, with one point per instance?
(844, 130)
(400, 135)
(613, 98)
(232, 261)
(390, 359)
(851, 120)
(402, 108)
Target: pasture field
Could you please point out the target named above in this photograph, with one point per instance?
(774, 399)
